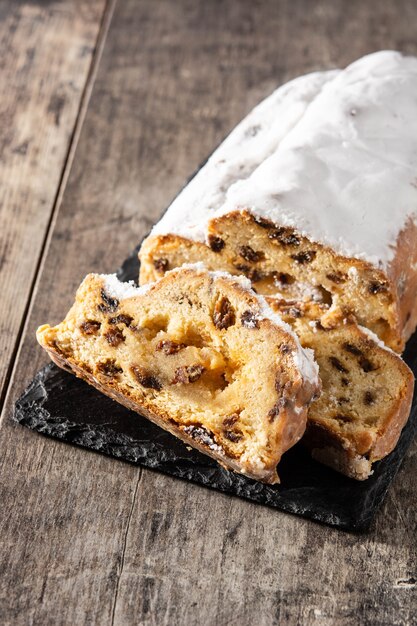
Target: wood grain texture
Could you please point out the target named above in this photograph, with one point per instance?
(87, 540)
(46, 51)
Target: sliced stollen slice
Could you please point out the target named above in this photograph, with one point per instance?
(199, 354)
(366, 389)
(333, 207)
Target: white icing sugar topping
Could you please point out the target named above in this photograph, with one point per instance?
(120, 290)
(342, 170)
(303, 357)
(248, 145)
(201, 268)
(376, 339)
(346, 175)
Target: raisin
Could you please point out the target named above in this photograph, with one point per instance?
(249, 320)
(90, 327)
(284, 236)
(283, 387)
(252, 131)
(337, 277)
(366, 364)
(276, 409)
(352, 349)
(121, 319)
(285, 348)
(145, 378)
(377, 287)
(216, 243)
(114, 337)
(230, 420)
(110, 304)
(337, 364)
(263, 223)
(291, 240)
(224, 314)
(161, 265)
(253, 274)
(245, 269)
(342, 400)
(369, 397)
(170, 347)
(187, 374)
(343, 418)
(109, 368)
(233, 435)
(345, 382)
(284, 279)
(304, 257)
(201, 434)
(251, 255)
(272, 414)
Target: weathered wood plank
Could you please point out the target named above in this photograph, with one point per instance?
(46, 51)
(90, 540)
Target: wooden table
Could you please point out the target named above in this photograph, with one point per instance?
(106, 108)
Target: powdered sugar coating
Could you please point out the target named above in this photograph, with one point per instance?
(344, 169)
(120, 290)
(243, 281)
(376, 339)
(346, 175)
(248, 145)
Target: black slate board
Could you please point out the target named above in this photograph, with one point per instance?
(61, 406)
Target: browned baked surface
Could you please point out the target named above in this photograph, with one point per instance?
(195, 354)
(366, 390)
(279, 261)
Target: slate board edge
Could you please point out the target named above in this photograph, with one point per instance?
(31, 416)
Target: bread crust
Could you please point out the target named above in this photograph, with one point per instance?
(390, 432)
(402, 273)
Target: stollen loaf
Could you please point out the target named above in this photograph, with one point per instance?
(321, 202)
